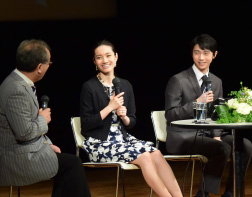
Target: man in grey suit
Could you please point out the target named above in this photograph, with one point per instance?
(181, 91)
(27, 155)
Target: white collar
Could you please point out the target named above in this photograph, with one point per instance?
(27, 80)
(199, 74)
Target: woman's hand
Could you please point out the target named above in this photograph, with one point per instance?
(121, 111)
(116, 101)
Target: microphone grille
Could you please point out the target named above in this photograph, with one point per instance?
(44, 98)
(116, 80)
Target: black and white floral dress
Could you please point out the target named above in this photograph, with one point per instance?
(116, 148)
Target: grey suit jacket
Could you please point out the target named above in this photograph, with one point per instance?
(25, 154)
(181, 90)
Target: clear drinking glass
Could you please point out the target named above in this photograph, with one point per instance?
(201, 112)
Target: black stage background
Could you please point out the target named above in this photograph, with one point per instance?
(152, 40)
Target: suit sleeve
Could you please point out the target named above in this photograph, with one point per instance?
(175, 109)
(89, 118)
(25, 125)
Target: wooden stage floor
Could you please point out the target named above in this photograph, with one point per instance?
(102, 183)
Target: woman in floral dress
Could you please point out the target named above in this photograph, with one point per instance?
(105, 118)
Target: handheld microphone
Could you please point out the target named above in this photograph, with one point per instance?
(116, 83)
(208, 83)
(44, 101)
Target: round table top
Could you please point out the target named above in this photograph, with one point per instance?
(190, 124)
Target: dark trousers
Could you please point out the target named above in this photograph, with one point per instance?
(218, 153)
(70, 179)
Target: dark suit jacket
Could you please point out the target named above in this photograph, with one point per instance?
(93, 99)
(25, 154)
(181, 90)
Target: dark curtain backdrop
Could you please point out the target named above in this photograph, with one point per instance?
(152, 40)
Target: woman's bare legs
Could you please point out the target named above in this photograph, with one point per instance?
(151, 174)
(166, 174)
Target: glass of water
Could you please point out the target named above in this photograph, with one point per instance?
(201, 112)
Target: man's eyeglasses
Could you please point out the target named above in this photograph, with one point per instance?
(50, 63)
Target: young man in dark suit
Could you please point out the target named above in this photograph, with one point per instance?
(27, 155)
(181, 91)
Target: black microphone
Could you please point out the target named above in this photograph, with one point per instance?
(208, 83)
(116, 82)
(44, 101)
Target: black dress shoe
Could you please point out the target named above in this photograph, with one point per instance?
(200, 194)
(228, 194)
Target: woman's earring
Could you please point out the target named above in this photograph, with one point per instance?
(96, 68)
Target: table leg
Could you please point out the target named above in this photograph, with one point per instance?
(238, 164)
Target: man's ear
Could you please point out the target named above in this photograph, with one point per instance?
(215, 54)
(39, 68)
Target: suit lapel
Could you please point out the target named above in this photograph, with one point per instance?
(29, 90)
(212, 81)
(26, 87)
(193, 80)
